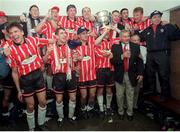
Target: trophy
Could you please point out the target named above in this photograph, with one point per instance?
(102, 19)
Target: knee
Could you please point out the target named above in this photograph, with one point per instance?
(42, 103)
(109, 91)
(92, 95)
(59, 99)
(30, 108)
(100, 91)
(73, 98)
(83, 96)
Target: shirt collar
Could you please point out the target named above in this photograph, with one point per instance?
(126, 45)
(71, 20)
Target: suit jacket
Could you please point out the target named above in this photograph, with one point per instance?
(136, 66)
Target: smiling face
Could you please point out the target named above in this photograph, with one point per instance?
(124, 14)
(86, 12)
(16, 34)
(156, 19)
(135, 39)
(55, 14)
(71, 13)
(62, 36)
(125, 37)
(83, 36)
(3, 19)
(115, 17)
(137, 16)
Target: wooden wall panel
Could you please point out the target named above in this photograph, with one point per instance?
(175, 58)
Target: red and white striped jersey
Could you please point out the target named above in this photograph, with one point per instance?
(26, 56)
(124, 22)
(62, 58)
(142, 25)
(5, 43)
(86, 24)
(69, 25)
(48, 30)
(87, 64)
(101, 61)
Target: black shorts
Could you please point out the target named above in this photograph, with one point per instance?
(87, 84)
(104, 77)
(7, 83)
(60, 84)
(32, 83)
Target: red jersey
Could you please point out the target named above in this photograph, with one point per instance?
(69, 25)
(86, 24)
(87, 64)
(142, 25)
(124, 22)
(26, 56)
(48, 30)
(5, 43)
(102, 61)
(62, 57)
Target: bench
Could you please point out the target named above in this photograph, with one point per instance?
(170, 104)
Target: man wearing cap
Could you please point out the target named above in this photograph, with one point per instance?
(3, 17)
(49, 24)
(70, 22)
(157, 38)
(87, 73)
(3, 20)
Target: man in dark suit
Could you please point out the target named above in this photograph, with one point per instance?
(128, 71)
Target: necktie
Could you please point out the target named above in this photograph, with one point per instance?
(125, 59)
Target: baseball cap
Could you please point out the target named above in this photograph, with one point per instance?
(3, 14)
(55, 8)
(81, 29)
(156, 12)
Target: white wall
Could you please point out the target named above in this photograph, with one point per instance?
(16, 7)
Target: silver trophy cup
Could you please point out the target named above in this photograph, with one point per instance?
(102, 19)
